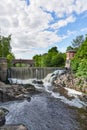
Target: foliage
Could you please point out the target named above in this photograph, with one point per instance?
(69, 48)
(10, 57)
(5, 48)
(51, 59)
(37, 59)
(76, 43)
(82, 69)
(79, 62)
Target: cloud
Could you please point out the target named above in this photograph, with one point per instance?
(28, 24)
(63, 22)
(84, 30)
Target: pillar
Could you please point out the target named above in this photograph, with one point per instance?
(3, 69)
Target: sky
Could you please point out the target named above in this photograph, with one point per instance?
(38, 25)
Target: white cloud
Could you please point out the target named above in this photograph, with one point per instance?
(28, 24)
(84, 30)
(63, 22)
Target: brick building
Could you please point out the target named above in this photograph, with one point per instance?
(69, 55)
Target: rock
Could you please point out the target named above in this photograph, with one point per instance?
(4, 96)
(70, 81)
(4, 110)
(16, 92)
(29, 87)
(19, 97)
(13, 127)
(2, 117)
(37, 82)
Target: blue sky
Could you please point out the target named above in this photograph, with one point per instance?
(38, 25)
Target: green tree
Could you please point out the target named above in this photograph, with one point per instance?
(37, 59)
(76, 43)
(51, 59)
(5, 48)
(53, 49)
(79, 62)
(69, 48)
(82, 69)
(10, 57)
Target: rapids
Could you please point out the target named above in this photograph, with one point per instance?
(48, 110)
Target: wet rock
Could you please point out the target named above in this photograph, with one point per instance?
(69, 80)
(2, 117)
(62, 91)
(23, 96)
(16, 92)
(4, 110)
(29, 87)
(37, 82)
(13, 127)
(83, 98)
(4, 96)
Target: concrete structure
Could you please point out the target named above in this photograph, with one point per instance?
(30, 72)
(69, 55)
(3, 69)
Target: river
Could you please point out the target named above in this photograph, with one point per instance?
(48, 111)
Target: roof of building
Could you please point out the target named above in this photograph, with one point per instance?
(71, 51)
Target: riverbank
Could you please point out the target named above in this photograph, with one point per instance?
(24, 104)
(69, 80)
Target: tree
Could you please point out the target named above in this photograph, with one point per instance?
(51, 59)
(53, 49)
(37, 59)
(76, 43)
(79, 62)
(69, 48)
(10, 57)
(5, 48)
(82, 69)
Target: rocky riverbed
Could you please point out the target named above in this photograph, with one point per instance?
(69, 80)
(16, 92)
(57, 91)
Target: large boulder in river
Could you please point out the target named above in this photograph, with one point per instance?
(2, 117)
(13, 127)
(31, 89)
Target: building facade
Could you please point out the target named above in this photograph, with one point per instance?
(69, 55)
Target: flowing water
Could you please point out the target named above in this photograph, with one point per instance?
(48, 110)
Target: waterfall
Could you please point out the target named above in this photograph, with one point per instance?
(35, 73)
(29, 72)
(72, 95)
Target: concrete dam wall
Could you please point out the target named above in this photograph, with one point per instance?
(30, 72)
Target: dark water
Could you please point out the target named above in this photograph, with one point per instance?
(44, 112)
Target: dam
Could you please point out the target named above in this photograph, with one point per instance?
(30, 72)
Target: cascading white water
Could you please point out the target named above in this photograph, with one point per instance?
(45, 111)
(48, 87)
